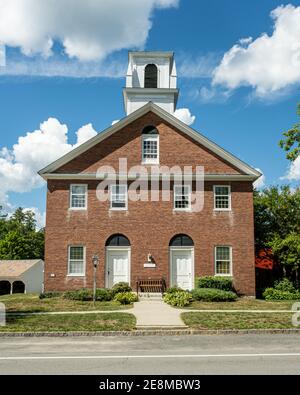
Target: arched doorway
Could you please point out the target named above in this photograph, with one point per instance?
(151, 76)
(182, 262)
(117, 260)
(18, 287)
(4, 287)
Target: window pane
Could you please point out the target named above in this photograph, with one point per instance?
(222, 202)
(118, 196)
(222, 197)
(223, 267)
(76, 267)
(182, 197)
(78, 200)
(222, 190)
(76, 253)
(150, 148)
(222, 253)
(78, 189)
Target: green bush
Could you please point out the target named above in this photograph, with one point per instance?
(275, 294)
(87, 295)
(125, 297)
(213, 295)
(48, 295)
(103, 295)
(178, 298)
(285, 285)
(120, 288)
(223, 283)
(173, 290)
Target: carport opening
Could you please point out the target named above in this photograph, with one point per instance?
(4, 287)
(18, 287)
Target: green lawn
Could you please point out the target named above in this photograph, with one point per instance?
(70, 322)
(243, 303)
(238, 320)
(31, 303)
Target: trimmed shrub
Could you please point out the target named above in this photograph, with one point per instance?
(48, 295)
(275, 294)
(121, 288)
(173, 290)
(213, 295)
(87, 295)
(285, 285)
(223, 283)
(125, 297)
(178, 298)
(103, 295)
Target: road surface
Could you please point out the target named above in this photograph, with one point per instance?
(221, 354)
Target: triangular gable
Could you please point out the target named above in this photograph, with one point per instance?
(227, 156)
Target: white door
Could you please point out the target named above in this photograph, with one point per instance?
(182, 269)
(117, 267)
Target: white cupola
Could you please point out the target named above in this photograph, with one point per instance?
(151, 77)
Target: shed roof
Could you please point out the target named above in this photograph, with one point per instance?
(15, 268)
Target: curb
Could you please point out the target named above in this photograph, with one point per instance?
(158, 332)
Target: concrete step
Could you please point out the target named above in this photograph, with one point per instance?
(149, 296)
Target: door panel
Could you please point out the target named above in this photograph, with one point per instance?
(118, 267)
(182, 269)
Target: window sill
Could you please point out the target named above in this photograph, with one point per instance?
(75, 275)
(222, 209)
(78, 208)
(118, 209)
(223, 275)
(182, 210)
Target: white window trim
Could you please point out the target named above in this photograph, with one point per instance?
(86, 197)
(84, 261)
(110, 198)
(229, 198)
(154, 137)
(190, 197)
(230, 264)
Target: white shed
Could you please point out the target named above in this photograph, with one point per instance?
(21, 276)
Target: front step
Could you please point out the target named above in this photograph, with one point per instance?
(150, 296)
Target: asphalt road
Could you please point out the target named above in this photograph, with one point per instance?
(221, 354)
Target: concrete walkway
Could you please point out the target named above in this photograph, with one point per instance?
(156, 313)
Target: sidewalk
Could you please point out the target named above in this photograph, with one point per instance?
(153, 314)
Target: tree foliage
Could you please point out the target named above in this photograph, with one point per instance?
(277, 225)
(291, 141)
(19, 238)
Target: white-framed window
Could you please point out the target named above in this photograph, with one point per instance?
(182, 197)
(223, 261)
(78, 196)
(76, 260)
(222, 197)
(118, 197)
(150, 149)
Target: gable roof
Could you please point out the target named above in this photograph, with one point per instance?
(15, 268)
(166, 116)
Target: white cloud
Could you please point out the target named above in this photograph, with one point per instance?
(85, 133)
(19, 166)
(87, 29)
(269, 64)
(294, 171)
(260, 182)
(184, 115)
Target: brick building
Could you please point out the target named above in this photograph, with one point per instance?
(96, 207)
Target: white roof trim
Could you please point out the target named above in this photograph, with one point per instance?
(95, 176)
(239, 164)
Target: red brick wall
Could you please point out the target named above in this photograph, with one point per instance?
(149, 226)
(175, 149)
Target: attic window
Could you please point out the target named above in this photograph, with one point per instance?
(150, 145)
(151, 76)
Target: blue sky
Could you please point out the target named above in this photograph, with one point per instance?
(245, 113)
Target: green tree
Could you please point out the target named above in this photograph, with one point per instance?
(276, 214)
(277, 225)
(288, 252)
(19, 238)
(291, 141)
